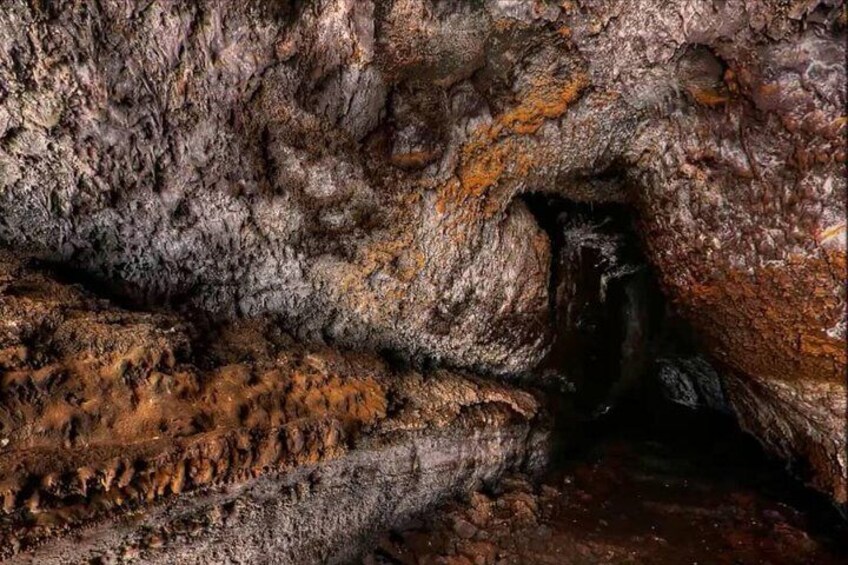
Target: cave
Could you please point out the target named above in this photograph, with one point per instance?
(423, 281)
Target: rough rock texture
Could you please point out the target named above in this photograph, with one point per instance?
(116, 440)
(652, 500)
(352, 167)
(693, 382)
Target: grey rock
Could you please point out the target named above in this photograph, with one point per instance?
(254, 159)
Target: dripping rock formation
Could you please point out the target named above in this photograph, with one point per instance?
(104, 417)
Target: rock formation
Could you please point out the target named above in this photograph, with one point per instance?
(356, 171)
(107, 414)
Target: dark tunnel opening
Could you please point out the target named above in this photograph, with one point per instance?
(608, 313)
(631, 389)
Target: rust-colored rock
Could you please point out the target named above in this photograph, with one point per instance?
(351, 169)
(107, 414)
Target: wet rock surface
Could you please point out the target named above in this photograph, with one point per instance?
(638, 495)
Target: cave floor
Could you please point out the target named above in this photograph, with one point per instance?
(700, 492)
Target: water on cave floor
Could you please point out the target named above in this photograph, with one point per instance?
(695, 491)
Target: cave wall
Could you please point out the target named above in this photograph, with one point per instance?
(131, 435)
(352, 168)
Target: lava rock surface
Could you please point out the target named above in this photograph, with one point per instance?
(352, 168)
(127, 434)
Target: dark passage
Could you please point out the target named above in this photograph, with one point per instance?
(650, 464)
(606, 308)
(664, 486)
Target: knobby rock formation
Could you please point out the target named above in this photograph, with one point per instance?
(354, 170)
(108, 414)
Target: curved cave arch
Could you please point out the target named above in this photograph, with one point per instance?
(370, 176)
